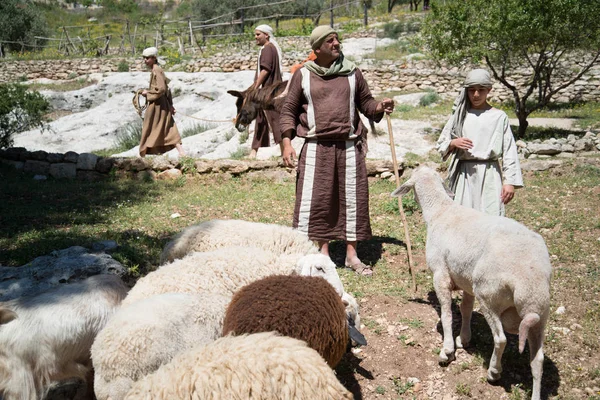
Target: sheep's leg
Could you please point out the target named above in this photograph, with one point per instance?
(466, 310)
(536, 353)
(495, 368)
(443, 289)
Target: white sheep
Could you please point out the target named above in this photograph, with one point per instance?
(494, 259)
(213, 234)
(257, 366)
(47, 338)
(144, 335)
(225, 270)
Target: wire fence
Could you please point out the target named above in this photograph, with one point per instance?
(184, 35)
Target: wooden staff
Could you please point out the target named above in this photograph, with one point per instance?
(402, 215)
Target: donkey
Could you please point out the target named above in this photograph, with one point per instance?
(252, 100)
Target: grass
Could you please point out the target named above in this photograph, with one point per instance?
(65, 86)
(586, 115)
(38, 217)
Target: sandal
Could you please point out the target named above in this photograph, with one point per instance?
(361, 268)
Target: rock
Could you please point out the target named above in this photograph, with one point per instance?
(40, 177)
(105, 245)
(39, 155)
(63, 266)
(63, 171)
(104, 164)
(232, 166)
(540, 165)
(71, 156)
(87, 161)
(544, 148)
(90, 176)
(170, 174)
(560, 310)
(161, 163)
(37, 167)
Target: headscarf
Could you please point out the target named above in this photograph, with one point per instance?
(476, 77)
(319, 34)
(153, 52)
(267, 30)
(341, 66)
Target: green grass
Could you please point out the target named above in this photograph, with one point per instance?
(586, 115)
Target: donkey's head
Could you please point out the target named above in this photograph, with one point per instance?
(247, 109)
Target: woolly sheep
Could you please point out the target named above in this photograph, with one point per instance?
(227, 269)
(144, 335)
(259, 366)
(210, 235)
(494, 259)
(302, 307)
(46, 338)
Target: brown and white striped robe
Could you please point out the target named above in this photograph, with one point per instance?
(332, 191)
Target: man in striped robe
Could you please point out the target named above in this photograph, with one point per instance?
(322, 104)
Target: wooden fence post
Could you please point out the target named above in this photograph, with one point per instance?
(242, 20)
(366, 15)
(192, 37)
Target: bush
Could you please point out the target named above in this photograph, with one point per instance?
(428, 99)
(395, 29)
(129, 136)
(20, 110)
(20, 22)
(123, 66)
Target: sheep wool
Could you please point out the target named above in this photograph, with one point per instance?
(149, 333)
(55, 328)
(261, 366)
(493, 259)
(302, 307)
(213, 234)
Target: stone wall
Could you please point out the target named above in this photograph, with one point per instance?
(386, 75)
(90, 167)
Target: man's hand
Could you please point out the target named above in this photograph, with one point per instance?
(386, 105)
(508, 192)
(144, 93)
(288, 153)
(461, 143)
(173, 110)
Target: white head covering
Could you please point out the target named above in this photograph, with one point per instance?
(267, 30)
(475, 77)
(153, 52)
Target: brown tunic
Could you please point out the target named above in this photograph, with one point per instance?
(332, 191)
(159, 132)
(269, 61)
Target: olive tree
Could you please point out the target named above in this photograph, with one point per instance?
(20, 22)
(539, 35)
(20, 110)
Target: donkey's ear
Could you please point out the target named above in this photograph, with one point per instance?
(235, 93)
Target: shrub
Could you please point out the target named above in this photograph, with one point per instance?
(123, 66)
(20, 110)
(129, 136)
(428, 99)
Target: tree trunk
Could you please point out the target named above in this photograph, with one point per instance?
(523, 124)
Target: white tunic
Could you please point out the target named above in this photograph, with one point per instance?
(477, 180)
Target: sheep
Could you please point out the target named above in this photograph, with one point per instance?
(302, 307)
(494, 259)
(210, 235)
(46, 338)
(225, 270)
(144, 335)
(249, 367)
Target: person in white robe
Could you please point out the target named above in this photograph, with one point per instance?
(484, 168)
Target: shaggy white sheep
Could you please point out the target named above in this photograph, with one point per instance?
(144, 335)
(47, 338)
(494, 259)
(258, 366)
(227, 269)
(210, 235)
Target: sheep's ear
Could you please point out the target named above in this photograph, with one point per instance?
(402, 190)
(7, 315)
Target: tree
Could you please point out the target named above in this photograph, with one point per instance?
(20, 22)
(539, 35)
(20, 110)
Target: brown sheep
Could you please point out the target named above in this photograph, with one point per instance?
(302, 307)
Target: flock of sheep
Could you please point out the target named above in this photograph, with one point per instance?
(243, 310)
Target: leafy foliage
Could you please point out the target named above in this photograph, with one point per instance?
(20, 22)
(540, 35)
(20, 110)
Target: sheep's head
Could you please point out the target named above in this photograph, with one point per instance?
(321, 265)
(353, 317)
(424, 177)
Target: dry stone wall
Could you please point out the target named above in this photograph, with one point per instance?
(386, 75)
